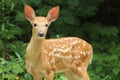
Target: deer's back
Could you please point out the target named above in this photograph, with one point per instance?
(64, 52)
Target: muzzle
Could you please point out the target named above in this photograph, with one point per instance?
(41, 34)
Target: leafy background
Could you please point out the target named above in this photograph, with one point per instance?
(96, 21)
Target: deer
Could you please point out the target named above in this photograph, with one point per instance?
(45, 57)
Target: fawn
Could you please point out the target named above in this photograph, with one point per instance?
(45, 57)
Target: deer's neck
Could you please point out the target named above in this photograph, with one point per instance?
(34, 49)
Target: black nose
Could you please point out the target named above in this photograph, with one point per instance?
(41, 34)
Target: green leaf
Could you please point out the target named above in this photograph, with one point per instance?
(28, 76)
(62, 77)
(108, 77)
(73, 3)
(1, 45)
(109, 31)
(10, 76)
(36, 2)
(70, 20)
(87, 11)
(3, 27)
(116, 70)
(96, 77)
(19, 16)
(42, 11)
(98, 68)
(66, 12)
(12, 6)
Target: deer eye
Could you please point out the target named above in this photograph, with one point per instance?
(46, 25)
(35, 25)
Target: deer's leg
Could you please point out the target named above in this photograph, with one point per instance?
(50, 75)
(76, 77)
(36, 75)
(82, 74)
(37, 78)
(72, 76)
(69, 75)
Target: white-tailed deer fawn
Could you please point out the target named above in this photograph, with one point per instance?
(45, 57)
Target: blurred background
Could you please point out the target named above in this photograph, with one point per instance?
(96, 21)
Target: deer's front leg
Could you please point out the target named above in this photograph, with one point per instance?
(50, 75)
(36, 75)
(69, 75)
(38, 78)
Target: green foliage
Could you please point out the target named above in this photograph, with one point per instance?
(77, 18)
(10, 69)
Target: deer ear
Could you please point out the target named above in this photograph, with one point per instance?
(53, 14)
(29, 12)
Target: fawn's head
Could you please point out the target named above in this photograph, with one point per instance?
(40, 24)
